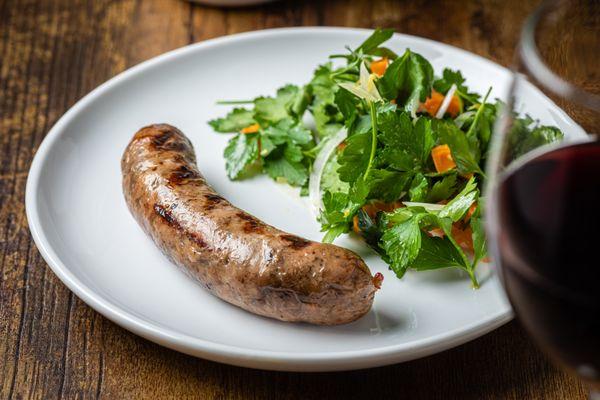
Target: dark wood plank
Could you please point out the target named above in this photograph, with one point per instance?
(52, 345)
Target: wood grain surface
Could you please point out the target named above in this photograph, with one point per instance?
(53, 52)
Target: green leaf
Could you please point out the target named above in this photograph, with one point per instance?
(436, 253)
(301, 101)
(402, 243)
(334, 207)
(387, 185)
(378, 37)
(288, 130)
(241, 152)
(235, 121)
(328, 119)
(287, 168)
(423, 140)
(408, 146)
(338, 210)
(524, 136)
(396, 158)
(334, 232)
(396, 127)
(354, 159)
(464, 152)
(479, 240)
(418, 188)
(346, 102)
(271, 110)
(407, 80)
(443, 189)
(330, 180)
(384, 52)
(448, 78)
(369, 230)
(458, 206)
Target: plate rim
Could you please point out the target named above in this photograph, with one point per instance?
(230, 354)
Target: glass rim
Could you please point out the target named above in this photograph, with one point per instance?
(538, 69)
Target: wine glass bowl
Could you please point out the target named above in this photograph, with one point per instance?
(542, 217)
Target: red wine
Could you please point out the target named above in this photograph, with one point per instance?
(549, 244)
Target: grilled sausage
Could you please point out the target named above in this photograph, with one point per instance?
(232, 254)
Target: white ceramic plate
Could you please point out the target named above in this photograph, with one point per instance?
(83, 229)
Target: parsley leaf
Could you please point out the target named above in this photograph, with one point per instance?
(418, 188)
(524, 137)
(465, 151)
(354, 159)
(235, 121)
(338, 210)
(240, 153)
(458, 206)
(387, 185)
(402, 243)
(443, 189)
(479, 240)
(407, 145)
(436, 253)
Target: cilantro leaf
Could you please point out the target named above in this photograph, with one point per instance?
(330, 179)
(458, 206)
(287, 167)
(407, 80)
(402, 243)
(240, 153)
(465, 152)
(328, 119)
(273, 109)
(235, 121)
(288, 130)
(442, 190)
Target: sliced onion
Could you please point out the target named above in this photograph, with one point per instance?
(427, 206)
(446, 103)
(314, 183)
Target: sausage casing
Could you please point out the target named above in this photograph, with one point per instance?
(232, 254)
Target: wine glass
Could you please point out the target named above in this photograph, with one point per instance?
(543, 203)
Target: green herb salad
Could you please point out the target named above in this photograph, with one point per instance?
(390, 151)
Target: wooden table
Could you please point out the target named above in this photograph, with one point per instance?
(52, 52)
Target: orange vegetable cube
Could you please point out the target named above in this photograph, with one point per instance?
(442, 158)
